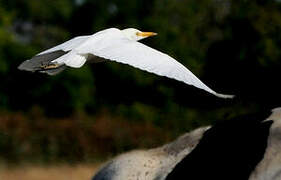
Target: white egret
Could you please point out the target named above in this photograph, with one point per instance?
(115, 45)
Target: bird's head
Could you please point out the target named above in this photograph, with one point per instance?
(136, 35)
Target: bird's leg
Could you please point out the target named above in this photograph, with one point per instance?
(49, 66)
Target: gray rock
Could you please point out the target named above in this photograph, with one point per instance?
(150, 164)
(157, 163)
(270, 166)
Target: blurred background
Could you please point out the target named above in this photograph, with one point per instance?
(87, 115)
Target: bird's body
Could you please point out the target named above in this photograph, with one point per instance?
(116, 45)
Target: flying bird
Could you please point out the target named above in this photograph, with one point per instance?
(115, 45)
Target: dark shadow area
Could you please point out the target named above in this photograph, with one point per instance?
(229, 150)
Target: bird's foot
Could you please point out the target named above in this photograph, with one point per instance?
(49, 66)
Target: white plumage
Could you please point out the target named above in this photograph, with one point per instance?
(116, 45)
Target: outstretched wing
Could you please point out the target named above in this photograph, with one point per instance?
(116, 47)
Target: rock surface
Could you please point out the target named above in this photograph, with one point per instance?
(247, 147)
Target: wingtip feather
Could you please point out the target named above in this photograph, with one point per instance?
(225, 96)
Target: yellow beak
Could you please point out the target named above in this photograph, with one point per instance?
(146, 34)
